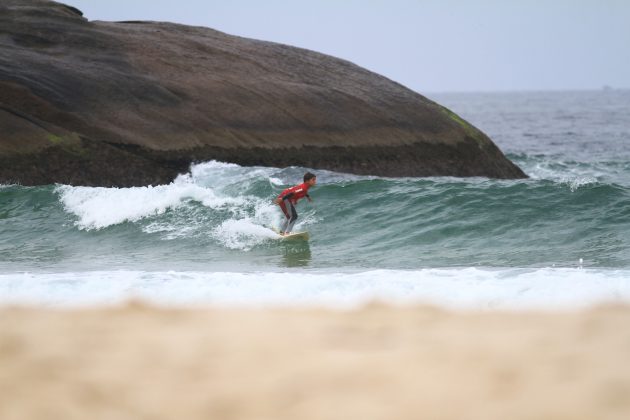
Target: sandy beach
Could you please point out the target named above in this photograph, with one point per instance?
(377, 362)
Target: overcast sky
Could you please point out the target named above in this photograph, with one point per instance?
(429, 46)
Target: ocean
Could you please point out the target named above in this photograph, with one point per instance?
(560, 239)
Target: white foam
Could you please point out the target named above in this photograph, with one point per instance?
(216, 185)
(219, 175)
(572, 174)
(99, 207)
(552, 288)
(242, 234)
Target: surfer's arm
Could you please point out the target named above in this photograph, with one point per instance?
(308, 197)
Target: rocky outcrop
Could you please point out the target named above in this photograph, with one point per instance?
(134, 103)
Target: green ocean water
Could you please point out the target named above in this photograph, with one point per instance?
(573, 212)
(354, 223)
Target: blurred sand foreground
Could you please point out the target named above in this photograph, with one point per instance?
(379, 362)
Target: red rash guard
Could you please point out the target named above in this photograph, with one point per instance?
(295, 193)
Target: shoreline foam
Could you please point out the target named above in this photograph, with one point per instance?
(455, 288)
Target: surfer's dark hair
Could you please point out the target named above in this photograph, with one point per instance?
(308, 176)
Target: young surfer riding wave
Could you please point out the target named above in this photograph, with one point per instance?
(289, 198)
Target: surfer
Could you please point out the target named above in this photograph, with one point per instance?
(289, 198)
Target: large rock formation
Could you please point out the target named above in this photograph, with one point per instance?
(134, 103)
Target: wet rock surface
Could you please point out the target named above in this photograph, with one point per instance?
(135, 103)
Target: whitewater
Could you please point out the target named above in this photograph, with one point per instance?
(559, 239)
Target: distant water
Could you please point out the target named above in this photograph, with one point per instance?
(558, 239)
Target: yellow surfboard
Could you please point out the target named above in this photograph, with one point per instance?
(293, 235)
(296, 235)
